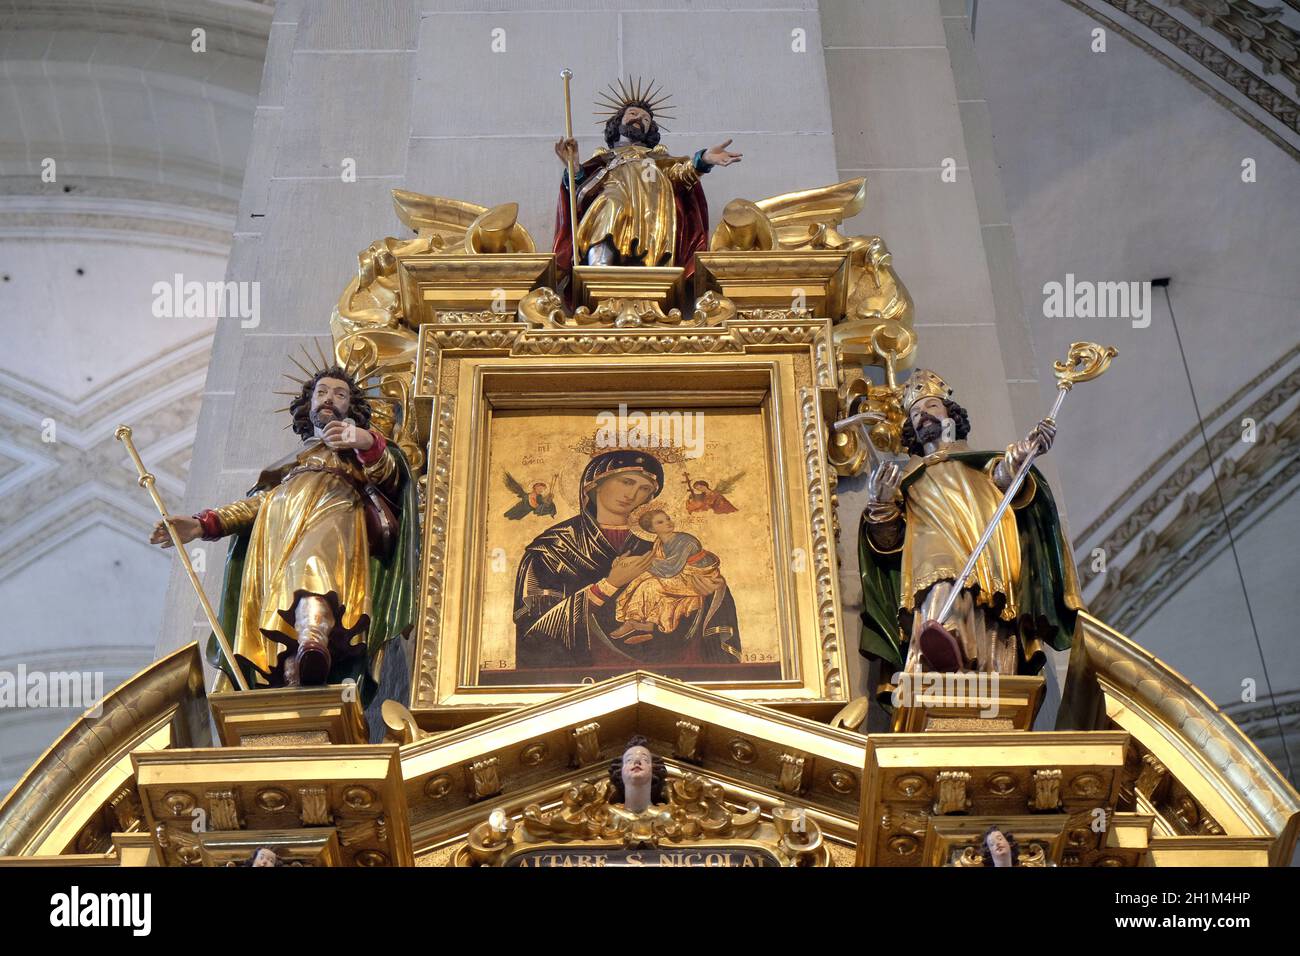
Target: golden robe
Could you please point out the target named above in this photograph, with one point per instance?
(308, 535)
(948, 508)
(910, 553)
(667, 601)
(635, 206)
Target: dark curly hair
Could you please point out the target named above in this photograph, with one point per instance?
(658, 773)
(986, 856)
(613, 129)
(300, 408)
(960, 420)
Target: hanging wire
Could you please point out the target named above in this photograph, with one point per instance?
(1227, 523)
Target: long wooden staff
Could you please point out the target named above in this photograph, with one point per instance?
(573, 187)
(1084, 362)
(146, 480)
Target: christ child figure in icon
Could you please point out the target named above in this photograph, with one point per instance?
(681, 574)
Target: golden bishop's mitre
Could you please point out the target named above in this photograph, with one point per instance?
(923, 383)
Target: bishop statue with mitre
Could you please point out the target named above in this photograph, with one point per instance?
(637, 205)
(922, 522)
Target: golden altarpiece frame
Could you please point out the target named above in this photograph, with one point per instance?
(778, 372)
(463, 331)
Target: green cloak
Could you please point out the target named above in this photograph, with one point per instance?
(392, 589)
(1047, 592)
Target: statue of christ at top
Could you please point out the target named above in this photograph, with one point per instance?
(637, 205)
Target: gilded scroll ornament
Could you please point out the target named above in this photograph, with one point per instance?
(1047, 790)
(807, 220)
(370, 319)
(637, 816)
(950, 786)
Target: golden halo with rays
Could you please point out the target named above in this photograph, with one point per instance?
(590, 446)
(355, 369)
(649, 97)
(634, 519)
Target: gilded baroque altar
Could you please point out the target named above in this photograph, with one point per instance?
(498, 754)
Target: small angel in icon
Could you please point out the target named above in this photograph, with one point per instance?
(701, 497)
(540, 500)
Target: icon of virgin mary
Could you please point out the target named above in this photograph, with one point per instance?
(571, 576)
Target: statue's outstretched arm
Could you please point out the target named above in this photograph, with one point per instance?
(232, 518)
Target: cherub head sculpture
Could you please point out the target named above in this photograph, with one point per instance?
(263, 856)
(638, 776)
(998, 848)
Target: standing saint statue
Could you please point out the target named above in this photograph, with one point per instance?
(922, 522)
(320, 572)
(637, 205)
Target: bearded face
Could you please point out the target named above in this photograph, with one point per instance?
(636, 125)
(927, 420)
(928, 428)
(330, 402)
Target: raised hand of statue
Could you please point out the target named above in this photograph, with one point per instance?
(344, 434)
(721, 156)
(186, 528)
(567, 150)
(628, 567)
(1038, 442)
(885, 485)
(1044, 433)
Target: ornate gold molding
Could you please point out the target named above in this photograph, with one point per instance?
(791, 353)
(82, 772)
(696, 827)
(1114, 682)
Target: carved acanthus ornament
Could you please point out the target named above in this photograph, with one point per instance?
(696, 814)
(806, 221)
(1031, 854)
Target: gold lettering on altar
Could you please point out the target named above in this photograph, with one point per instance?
(708, 858)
